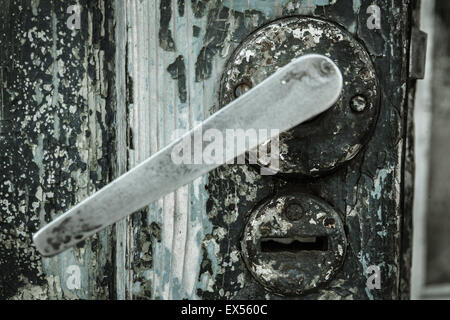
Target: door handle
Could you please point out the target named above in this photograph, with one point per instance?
(296, 93)
(318, 147)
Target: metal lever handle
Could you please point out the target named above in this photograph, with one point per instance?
(296, 93)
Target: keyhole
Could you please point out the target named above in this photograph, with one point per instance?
(274, 245)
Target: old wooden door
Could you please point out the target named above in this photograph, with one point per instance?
(91, 89)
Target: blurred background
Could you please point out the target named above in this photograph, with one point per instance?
(431, 246)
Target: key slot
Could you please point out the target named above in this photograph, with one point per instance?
(294, 245)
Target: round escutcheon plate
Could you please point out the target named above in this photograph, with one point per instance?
(322, 144)
(294, 243)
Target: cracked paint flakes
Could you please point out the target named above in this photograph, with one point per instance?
(361, 202)
(312, 33)
(225, 219)
(230, 201)
(379, 182)
(166, 41)
(45, 163)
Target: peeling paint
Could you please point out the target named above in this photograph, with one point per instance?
(48, 164)
(177, 71)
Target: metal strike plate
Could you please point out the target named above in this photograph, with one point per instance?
(294, 243)
(322, 144)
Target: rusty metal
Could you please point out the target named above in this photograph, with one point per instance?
(293, 243)
(358, 103)
(334, 137)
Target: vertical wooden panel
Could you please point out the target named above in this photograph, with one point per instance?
(166, 101)
(122, 261)
(60, 96)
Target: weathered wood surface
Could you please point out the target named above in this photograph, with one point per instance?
(57, 90)
(163, 254)
(73, 132)
(176, 54)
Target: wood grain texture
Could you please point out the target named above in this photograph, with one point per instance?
(164, 100)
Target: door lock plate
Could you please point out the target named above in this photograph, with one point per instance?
(320, 145)
(294, 243)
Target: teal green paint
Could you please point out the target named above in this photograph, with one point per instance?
(356, 6)
(379, 183)
(265, 6)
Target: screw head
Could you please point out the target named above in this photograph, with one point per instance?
(242, 88)
(293, 212)
(326, 67)
(358, 103)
